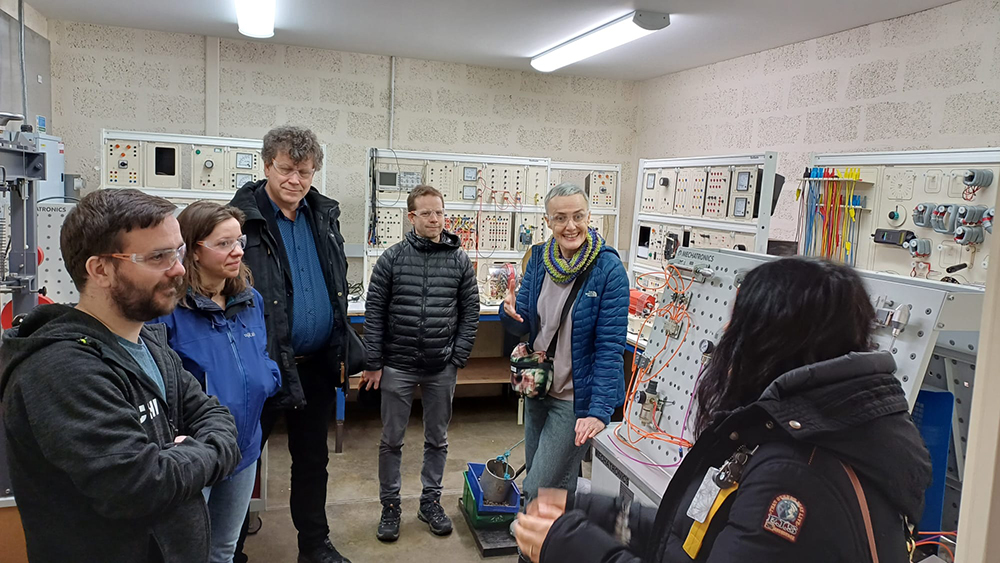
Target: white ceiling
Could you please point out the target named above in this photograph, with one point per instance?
(506, 33)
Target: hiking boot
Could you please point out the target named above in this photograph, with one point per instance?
(437, 520)
(388, 525)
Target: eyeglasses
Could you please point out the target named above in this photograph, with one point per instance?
(288, 172)
(159, 260)
(561, 220)
(426, 214)
(226, 245)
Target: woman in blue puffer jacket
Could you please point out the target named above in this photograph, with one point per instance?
(218, 331)
(588, 381)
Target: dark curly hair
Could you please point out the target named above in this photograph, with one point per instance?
(788, 313)
(300, 144)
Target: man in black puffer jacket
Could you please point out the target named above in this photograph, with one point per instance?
(421, 317)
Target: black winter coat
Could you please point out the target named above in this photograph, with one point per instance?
(90, 440)
(268, 262)
(847, 410)
(422, 309)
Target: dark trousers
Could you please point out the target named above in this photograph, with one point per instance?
(307, 444)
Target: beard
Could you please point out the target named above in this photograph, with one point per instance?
(139, 304)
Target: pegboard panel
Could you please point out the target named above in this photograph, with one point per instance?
(689, 198)
(495, 231)
(463, 224)
(717, 192)
(601, 186)
(52, 273)
(208, 167)
(123, 163)
(441, 175)
(537, 185)
(243, 166)
(932, 306)
(531, 230)
(389, 227)
(909, 194)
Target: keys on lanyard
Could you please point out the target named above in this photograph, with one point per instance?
(732, 470)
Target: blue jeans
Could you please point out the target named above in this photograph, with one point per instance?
(552, 456)
(227, 505)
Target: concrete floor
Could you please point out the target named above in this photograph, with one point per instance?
(481, 428)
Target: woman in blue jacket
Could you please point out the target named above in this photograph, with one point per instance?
(218, 331)
(588, 381)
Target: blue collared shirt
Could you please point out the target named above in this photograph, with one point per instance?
(312, 311)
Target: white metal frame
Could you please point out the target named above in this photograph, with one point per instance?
(231, 142)
(760, 228)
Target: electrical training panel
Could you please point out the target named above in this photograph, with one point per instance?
(200, 164)
(496, 207)
(932, 221)
(710, 202)
(931, 328)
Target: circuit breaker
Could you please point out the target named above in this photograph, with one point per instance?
(162, 165)
(123, 164)
(389, 227)
(689, 198)
(244, 166)
(441, 175)
(465, 226)
(531, 230)
(467, 181)
(717, 192)
(495, 231)
(744, 191)
(650, 191)
(536, 186)
(208, 167)
(601, 187)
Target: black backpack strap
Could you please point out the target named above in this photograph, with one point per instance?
(550, 354)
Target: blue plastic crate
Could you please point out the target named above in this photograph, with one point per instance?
(932, 414)
(513, 498)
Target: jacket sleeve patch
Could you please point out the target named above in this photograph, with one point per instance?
(785, 516)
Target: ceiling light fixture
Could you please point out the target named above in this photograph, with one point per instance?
(255, 18)
(608, 36)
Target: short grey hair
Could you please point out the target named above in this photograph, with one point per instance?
(564, 190)
(300, 144)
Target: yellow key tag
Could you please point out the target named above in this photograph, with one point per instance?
(798, 193)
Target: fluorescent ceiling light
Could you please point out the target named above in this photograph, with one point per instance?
(608, 36)
(256, 18)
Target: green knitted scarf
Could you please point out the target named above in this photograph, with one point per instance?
(564, 271)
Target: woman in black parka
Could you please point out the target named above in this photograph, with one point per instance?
(814, 427)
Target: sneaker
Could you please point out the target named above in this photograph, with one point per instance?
(323, 553)
(437, 520)
(388, 526)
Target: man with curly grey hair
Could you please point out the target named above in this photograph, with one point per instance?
(296, 253)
